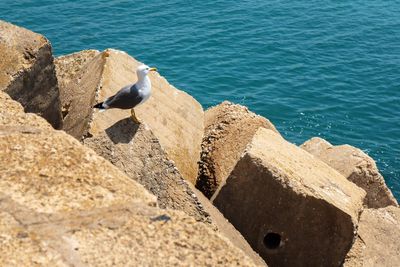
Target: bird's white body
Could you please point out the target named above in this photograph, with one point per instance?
(144, 87)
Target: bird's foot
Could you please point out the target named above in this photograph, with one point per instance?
(134, 118)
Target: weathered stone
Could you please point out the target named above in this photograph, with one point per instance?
(292, 208)
(125, 235)
(68, 69)
(228, 129)
(136, 151)
(175, 118)
(377, 243)
(227, 229)
(19, 247)
(27, 72)
(13, 118)
(357, 167)
(79, 93)
(63, 205)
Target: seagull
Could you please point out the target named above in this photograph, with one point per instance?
(132, 95)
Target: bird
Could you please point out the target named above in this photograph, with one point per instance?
(131, 95)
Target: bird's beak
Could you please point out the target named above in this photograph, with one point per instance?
(153, 69)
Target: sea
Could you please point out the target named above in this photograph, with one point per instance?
(314, 68)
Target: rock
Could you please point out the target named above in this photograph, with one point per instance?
(13, 118)
(27, 72)
(79, 90)
(18, 248)
(228, 129)
(377, 242)
(130, 235)
(63, 205)
(136, 151)
(315, 145)
(227, 229)
(174, 117)
(292, 208)
(68, 68)
(357, 167)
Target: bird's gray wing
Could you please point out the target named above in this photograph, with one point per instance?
(126, 98)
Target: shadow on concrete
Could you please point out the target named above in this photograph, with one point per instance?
(122, 131)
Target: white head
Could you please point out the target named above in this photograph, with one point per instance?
(143, 70)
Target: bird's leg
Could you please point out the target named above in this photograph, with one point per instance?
(133, 116)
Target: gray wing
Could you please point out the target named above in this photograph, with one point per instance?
(126, 98)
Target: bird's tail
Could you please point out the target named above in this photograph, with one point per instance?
(99, 106)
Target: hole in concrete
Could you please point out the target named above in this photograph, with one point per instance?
(65, 110)
(272, 240)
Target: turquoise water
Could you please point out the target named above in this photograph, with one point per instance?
(314, 68)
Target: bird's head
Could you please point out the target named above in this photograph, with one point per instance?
(143, 70)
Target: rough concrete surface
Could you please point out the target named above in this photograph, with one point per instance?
(13, 117)
(228, 129)
(27, 72)
(227, 229)
(378, 239)
(78, 90)
(357, 167)
(129, 235)
(68, 69)
(292, 208)
(135, 150)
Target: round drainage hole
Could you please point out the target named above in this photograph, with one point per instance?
(272, 240)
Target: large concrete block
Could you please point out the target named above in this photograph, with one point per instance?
(228, 129)
(357, 167)
(378, 237)
(136, 151)
(292, 208)
(78, 90)
(70, 71)
(175, 118)
(27, 72)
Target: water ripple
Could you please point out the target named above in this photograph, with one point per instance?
(328, 69)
